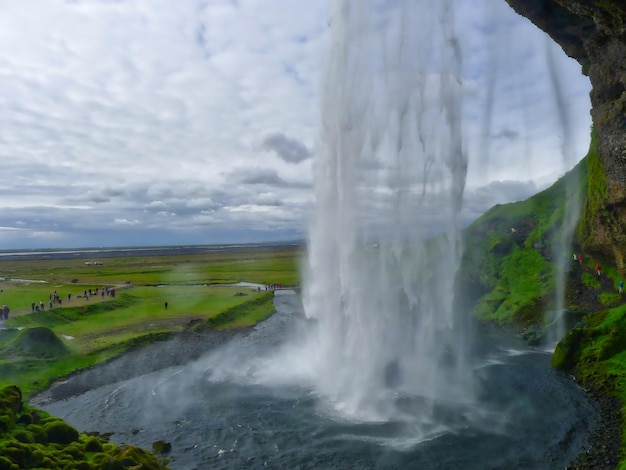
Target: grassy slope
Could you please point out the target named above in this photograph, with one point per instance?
(507, 255)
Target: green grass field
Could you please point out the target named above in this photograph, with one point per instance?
(100, 328)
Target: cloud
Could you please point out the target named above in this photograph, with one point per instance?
(139, 122)
(287, 148)
(266, 176)
(126, 222)
(477, 201)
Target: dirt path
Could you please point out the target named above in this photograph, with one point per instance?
(76, 301)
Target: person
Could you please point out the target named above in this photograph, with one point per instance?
(621, 286)
(598, 269)
(166, 305)
(575, 257)
(580, 258)
(33, 306)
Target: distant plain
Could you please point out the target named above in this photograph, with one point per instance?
(198, 285)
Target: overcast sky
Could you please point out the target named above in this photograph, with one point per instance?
(159, 122)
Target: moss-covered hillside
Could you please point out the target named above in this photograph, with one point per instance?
(508, 264)
(31, 438)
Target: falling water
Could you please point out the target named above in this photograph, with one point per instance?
(572, 204)
(384, 244)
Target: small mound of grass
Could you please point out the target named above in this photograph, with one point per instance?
(39, 341)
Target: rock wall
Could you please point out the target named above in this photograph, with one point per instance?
(594, 33)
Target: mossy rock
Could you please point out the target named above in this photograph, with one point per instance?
(60, 432)
(39, 342)
(23, 436)
(131, 456)
(6, 424)
(25, 419)
(82, 465)
(39, 433)
(93, 445)
(100, 460)
(566, 352)
(75, 450)
(18, 453)
(10, 406)
(6, 464)
(56, 444)
(161, 447)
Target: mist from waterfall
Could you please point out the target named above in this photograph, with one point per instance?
(390, 174)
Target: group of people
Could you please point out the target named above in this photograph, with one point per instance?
(598, 267)
(5, 312)
(53, 299)
(87, 293)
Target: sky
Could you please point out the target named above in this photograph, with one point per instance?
(153, 122)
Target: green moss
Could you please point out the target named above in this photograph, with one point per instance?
(585, 68)
(60, 432)
(10, 405)
(507, 261)
(55, 444)
(590, 281)
(18, 453)
(524, 278)
(610, 299)
(39, 433)
(6, 464)
(93, 445)
(594, 182)
(82, 465)
(23, 436)
(566, 352)
(599, 337)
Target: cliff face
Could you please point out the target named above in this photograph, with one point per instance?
(593, 32)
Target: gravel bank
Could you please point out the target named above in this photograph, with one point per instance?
(184, 348)
(604, 450)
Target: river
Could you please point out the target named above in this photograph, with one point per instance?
(239, 407)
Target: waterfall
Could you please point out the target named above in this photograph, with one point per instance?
(563, 240)
(384, 245)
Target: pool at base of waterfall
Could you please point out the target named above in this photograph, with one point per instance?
(232, 408)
